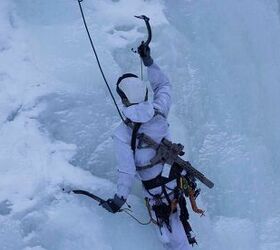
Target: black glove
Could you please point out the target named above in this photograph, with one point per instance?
(113, 205)
(145, 53)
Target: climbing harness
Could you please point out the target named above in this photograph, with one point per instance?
(164, 203)
(169, 153)
(163, 210)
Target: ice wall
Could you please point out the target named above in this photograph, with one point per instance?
(57, 117)
(230, 113)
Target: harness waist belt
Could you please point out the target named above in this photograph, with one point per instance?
(160, 180)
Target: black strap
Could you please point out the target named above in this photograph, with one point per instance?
(166, 194)
(157, 182)
(157, 112)
(136, 127)
(184, 218)
(160, 180)
(140, 168)
(93, 196)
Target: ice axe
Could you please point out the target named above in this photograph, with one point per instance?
(147, 22)
(143, 43)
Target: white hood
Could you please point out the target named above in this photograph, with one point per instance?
(134, 89)
(141, 112)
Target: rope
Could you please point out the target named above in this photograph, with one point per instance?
(141, 69)
(125, 210)
(97, 59)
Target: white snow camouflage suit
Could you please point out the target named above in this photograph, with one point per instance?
(155, 126)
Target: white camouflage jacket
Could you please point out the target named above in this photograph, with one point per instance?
(155, 126)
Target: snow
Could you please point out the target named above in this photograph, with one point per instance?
(57, 118)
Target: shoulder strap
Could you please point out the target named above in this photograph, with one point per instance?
(135, 129)
(135, 126)
(157, 112)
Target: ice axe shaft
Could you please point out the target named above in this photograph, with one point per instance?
(83, 192)
(146, 19)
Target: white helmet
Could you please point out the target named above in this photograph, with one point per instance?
(131, 89)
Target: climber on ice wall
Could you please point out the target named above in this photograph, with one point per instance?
(164, 190)
(143, 148)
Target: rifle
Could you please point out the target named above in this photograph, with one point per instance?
(169, 153)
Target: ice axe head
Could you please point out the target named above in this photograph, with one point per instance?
(145, 18)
